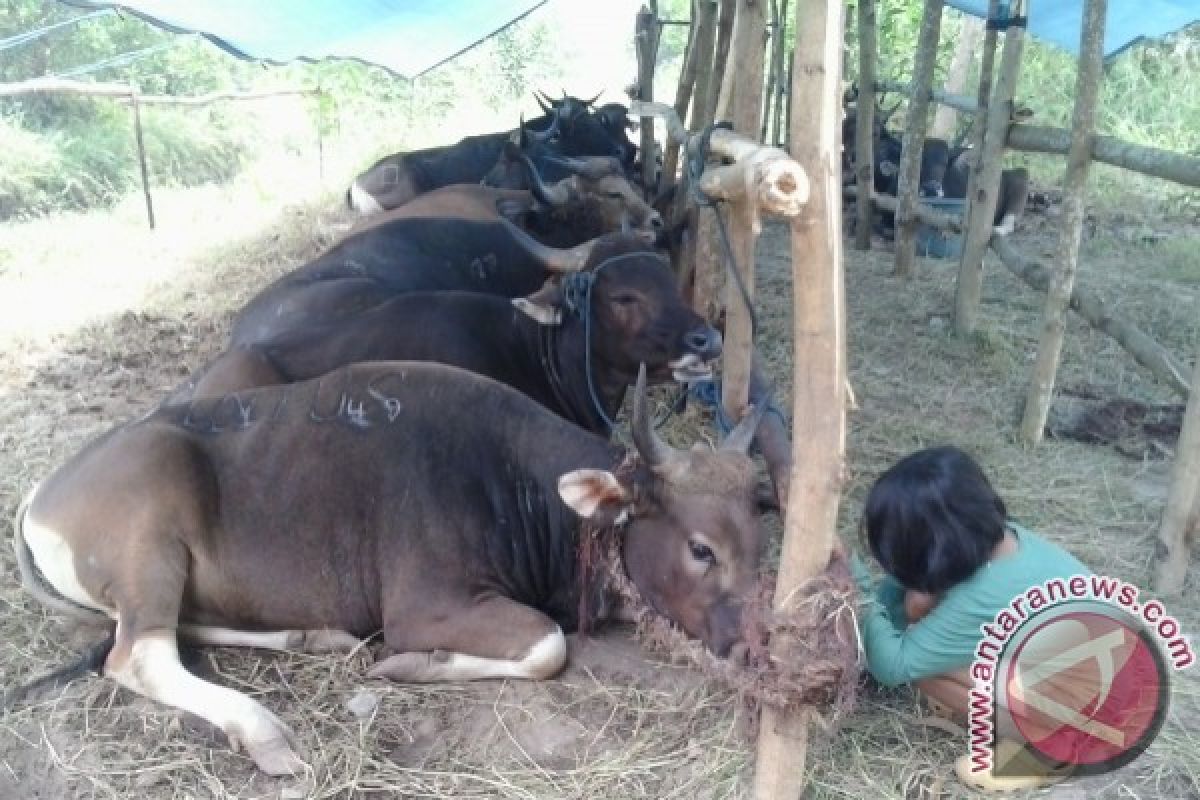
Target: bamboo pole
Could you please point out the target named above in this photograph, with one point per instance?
(1058, 294)
(1152, 161)
(864, 125)
(969, 33)
(1147, 352)
(646, 40)
(1181, 517)
(706, 32)
(781, 84)
(958, 102)
(924, 213)
(787, 108)
(747, 54)
(914, 137)
(683, 101)
(724, 35)
(772, 70)
(139, 140)
(984, 180)
(818, 391)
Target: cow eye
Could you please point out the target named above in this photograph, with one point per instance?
(624, 299)
(702, 552)
(614, 195)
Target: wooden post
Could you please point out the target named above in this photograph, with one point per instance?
(984, 181)
(724, 35)
(1181, 518)
(787, 108)
(683, 98)
(141, 151)
(1058, 296)
(819, 414)
(1176, 167)
(914, 137)
(646, 39)
(781, 83)
(773, 76)
(969, 32)
(748, 54)
(706, 31)
(864, 125)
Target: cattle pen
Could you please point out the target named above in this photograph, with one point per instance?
(995, 129)
(863, 375)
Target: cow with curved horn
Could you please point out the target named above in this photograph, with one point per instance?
(308, 517)
(574, 351)
(406, 255)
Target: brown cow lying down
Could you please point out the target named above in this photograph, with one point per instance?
(438, 506)
(536, 345)
(595, 201)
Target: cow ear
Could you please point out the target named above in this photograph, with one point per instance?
(596, 495)
(544, 305)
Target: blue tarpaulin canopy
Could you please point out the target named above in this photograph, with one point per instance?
(408, 37)
(1128, 21)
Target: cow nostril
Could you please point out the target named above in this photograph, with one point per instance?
(698, 340)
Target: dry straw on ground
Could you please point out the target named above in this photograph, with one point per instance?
(620, 722)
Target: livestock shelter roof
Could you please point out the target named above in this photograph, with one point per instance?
(407, 37)
(1128, 21)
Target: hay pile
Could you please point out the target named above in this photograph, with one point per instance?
(804, 655)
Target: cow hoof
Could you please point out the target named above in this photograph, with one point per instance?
(271, 745)
(329, 642)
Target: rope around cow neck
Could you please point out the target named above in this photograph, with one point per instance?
(577, 299)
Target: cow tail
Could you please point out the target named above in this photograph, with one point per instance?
(31, 577)
(91, 661)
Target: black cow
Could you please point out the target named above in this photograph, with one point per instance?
(405, 255)
(1014, 190)
(538, 345)
(445, 509)
(568, 129)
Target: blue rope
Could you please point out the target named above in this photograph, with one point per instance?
(708, 394)
(116, 61)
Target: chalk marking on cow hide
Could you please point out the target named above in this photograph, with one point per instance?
(391, 405)
(356, 414)
(54, 557)
(362, 201)
(153, 669)
(245, 411)
(544, 659)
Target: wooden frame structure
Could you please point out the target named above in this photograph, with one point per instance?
(754, 179)
(136, 100)
(995, 130)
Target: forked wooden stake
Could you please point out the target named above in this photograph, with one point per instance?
(819, 411)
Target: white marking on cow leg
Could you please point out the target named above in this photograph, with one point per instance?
(1008, 224)
(297, 641)
(153, 669)
(362, 201)
(53, 556)
(543, 660)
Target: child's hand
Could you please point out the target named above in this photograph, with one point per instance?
(862, 575)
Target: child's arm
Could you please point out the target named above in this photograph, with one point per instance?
(942, 641)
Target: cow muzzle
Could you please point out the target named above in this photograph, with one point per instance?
(724, 628)
(702, 347)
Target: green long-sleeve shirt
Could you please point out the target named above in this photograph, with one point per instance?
(946, 638)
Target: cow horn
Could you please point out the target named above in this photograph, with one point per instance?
(592, 102)
(555, 196)
(546, 105)
(552, 259)
(740, 438)
(654, 451)
(592, 167)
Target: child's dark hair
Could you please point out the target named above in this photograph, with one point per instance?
(933, 519)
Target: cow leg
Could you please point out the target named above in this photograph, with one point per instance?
(496, 638)
(148, 594)
(295, 641)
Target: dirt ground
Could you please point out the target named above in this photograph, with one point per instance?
(619, 723)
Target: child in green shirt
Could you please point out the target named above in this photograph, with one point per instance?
(953, 561)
